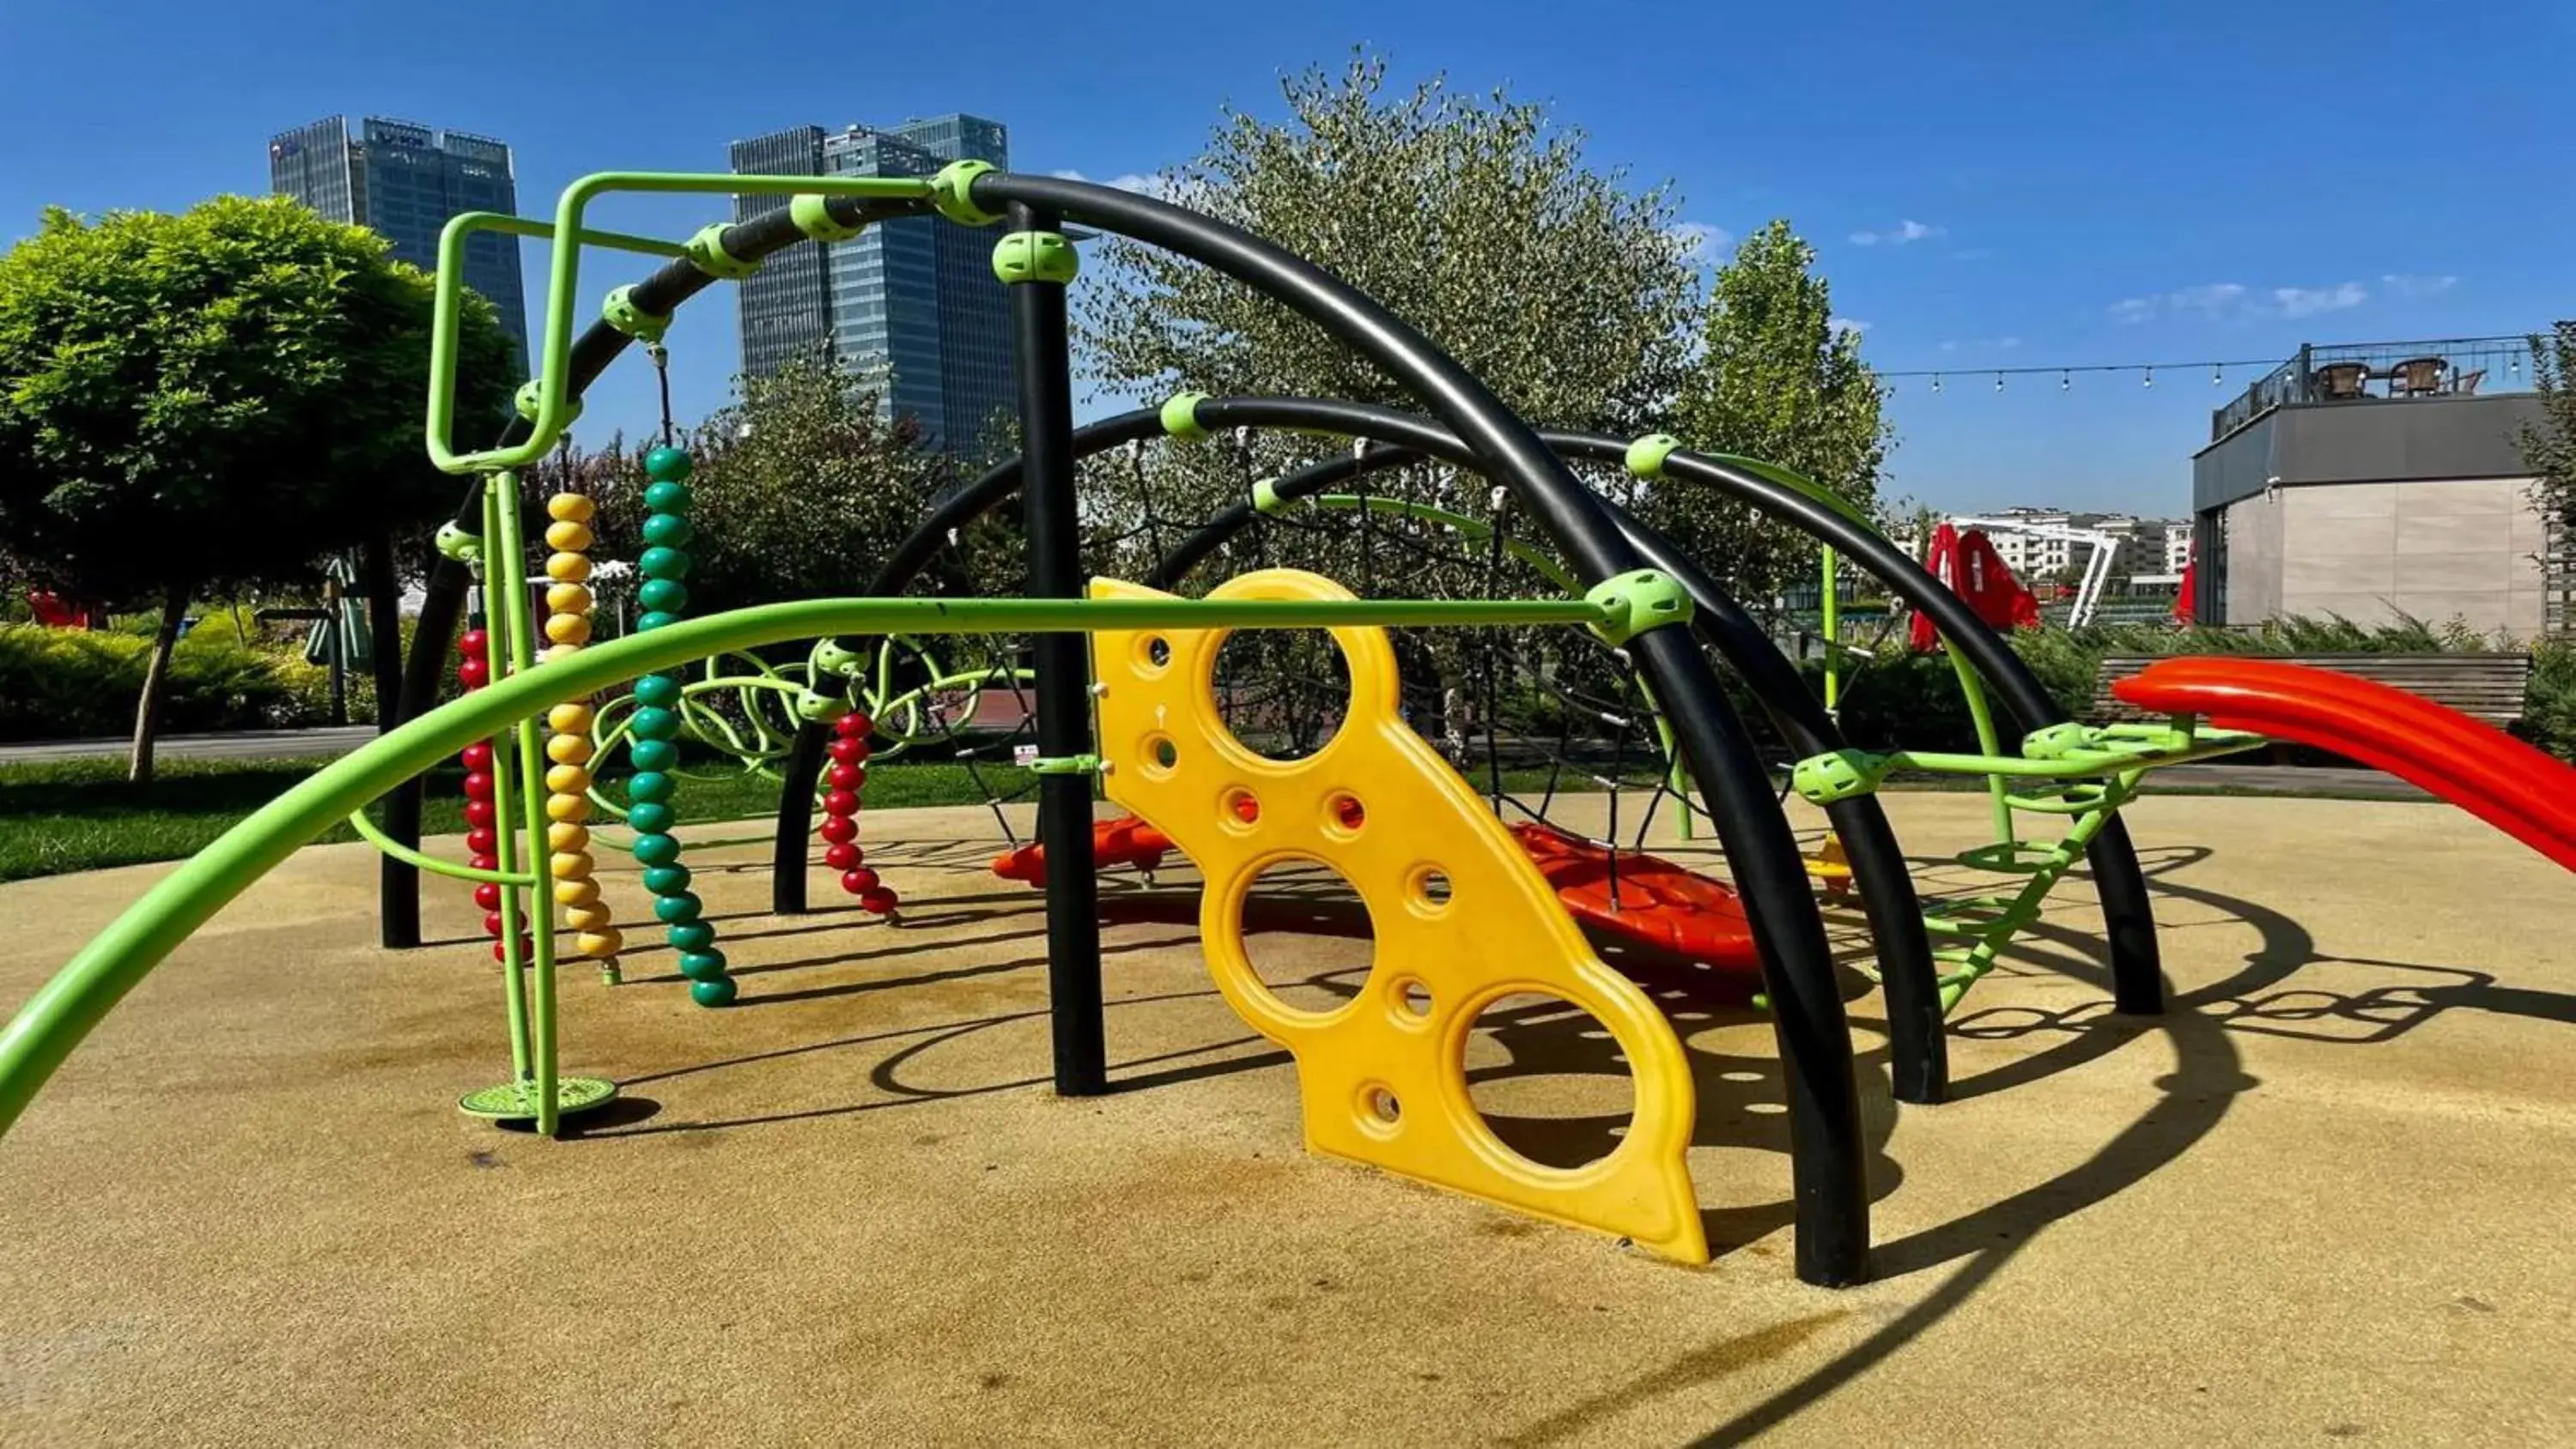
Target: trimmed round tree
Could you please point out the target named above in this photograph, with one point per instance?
(193, 403)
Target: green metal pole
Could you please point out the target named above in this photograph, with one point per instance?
(508, 558)
(1833, 638)
(496, 609)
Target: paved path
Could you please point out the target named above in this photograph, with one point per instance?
(239, 745)
(2336, 780)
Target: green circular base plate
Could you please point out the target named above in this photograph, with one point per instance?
(517, 1101)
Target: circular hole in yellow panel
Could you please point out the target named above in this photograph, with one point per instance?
(1155, 651)
(1380, 1111)
(1238, 808)
(1428, 887)
(1307, 936)
(1411, 1000)
(1282, 693)
(1344, 815)
(1548, 1080)
(1160, 755)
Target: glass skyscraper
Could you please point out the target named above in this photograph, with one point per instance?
(403, 181)
(916, 296)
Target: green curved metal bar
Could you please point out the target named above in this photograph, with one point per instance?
(554, 407)
(365, 827)
(69, 1006)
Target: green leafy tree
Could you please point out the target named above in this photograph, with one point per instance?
(1777, 380)
(1472, 218)
(802, 488)
(206, 401)
(2549, 447)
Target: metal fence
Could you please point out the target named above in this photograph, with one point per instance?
(2401, 371)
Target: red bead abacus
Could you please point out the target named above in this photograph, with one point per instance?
(474, 670)
(846, 776)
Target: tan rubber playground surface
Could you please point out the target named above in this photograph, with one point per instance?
(2329, 1199)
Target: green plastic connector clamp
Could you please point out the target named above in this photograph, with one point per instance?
(1065, 765)
(1035, 256)
(829, 657)
(531, 397)
(1638, 600)
(1837, 775)
(1646, 455)
(2055, 742)
(452, 541)
(1265, 496)
(620, 312)
(951, 193)
(707, 254)
(813, 216)
(1181, 416)
(813, 706)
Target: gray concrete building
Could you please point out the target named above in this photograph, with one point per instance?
(2376, 483)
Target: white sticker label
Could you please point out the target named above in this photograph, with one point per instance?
(1024, 755)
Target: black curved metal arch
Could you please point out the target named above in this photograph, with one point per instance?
(2128, 916)
(1918, 1047)
(1813, 1035)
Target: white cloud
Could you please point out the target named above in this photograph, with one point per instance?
(1147, 183)
(2211, 297)
(1699, 240)
(1852, 325)
(1908, 230)
(2309, 301)
(2216, 301)
(2410, 284)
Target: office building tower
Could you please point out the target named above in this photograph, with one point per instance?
(916, 296)
(403, 181)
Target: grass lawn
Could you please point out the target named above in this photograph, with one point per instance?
(82, 815)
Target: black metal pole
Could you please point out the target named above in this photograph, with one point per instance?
(1063, 672)
(399, 918)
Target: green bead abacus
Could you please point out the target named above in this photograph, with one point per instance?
(654, 732)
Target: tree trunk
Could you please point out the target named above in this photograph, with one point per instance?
(156, 687)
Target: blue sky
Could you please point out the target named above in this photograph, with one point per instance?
(1988, 185)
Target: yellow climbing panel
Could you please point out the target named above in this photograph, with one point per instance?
(1459, 914)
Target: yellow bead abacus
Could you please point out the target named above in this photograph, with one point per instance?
(568, 746)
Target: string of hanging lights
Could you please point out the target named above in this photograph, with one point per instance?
(2146, 371)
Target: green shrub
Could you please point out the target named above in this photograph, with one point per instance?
(1913, 700)
(69, 683)
(2549, 706)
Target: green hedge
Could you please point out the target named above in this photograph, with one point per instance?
(70, 683)
(1913, 699)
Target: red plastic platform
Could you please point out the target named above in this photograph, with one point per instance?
(1123, 841)
(1659, 903)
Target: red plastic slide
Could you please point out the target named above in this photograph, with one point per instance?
(1123, 841)
(1659, 903)
(2475, 766)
